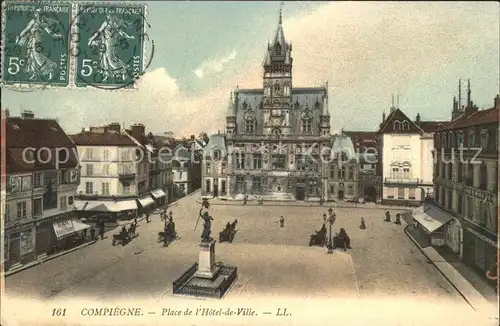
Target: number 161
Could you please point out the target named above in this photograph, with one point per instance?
(59, 312)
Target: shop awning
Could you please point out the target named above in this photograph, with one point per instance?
(158, 193)
(146, 201)
(431, 218)
(105, 206)
(67, 227)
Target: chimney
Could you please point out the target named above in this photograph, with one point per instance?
(115, 126)
(470, 109)
(83, 129)
(497, 102)
(455, 103)
(460, 93)
(469, 103)
(191, 137)
(27, 114)
(417, 120)
(383, 117)
(138, 130)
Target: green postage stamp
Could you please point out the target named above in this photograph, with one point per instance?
(108, 44)
(35, 43)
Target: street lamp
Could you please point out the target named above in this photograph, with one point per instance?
(331, 220)
(324, 218)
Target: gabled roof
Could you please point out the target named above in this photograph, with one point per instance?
(398, 115)
(22, 133)
(431, 126)
(481, 117)
(110, 138)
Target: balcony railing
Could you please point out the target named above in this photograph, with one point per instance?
(402, 180)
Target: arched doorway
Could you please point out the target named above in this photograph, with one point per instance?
(370, 193)
(300, 191)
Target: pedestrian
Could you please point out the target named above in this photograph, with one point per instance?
(147, 217)
(92, 233)
(84, 233)
(135, 221)
(282, 221)
(101, 231)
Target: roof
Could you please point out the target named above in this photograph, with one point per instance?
(22, 133)
(361, 136)
(343, 143)
(216, 142)
(110, 138)
(431, 126)
(480, 117)
(397, 115)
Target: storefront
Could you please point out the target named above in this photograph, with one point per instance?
(480, 251)
(20, 244)
(432, 221)
(159, 196)
(453, 238)
(146, 203)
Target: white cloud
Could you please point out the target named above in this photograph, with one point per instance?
(213, 65)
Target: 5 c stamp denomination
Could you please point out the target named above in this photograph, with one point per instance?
(108, 44)
(35, 39)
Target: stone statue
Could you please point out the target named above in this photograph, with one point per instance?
(207, 225)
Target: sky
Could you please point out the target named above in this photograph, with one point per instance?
(367, 51)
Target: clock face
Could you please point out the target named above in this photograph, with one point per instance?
(276, 121)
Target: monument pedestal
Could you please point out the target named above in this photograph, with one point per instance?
(206, 278)
(206, 261)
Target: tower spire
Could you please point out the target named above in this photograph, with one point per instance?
(281, 12)
(468, 92)
(460, 94)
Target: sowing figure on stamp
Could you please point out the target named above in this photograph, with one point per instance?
(31, 40)
(106, 39)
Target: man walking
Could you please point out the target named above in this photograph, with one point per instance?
(92, 233)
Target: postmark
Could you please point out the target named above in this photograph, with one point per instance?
(35, 39)
(108, 44)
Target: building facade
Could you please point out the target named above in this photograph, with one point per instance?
(466, 182)
(42, 180)
(406, 158)
(343, 170)
(270, 131)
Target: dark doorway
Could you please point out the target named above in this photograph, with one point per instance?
(341, 194)
(370, 193)
(300, 192)
(216, 190)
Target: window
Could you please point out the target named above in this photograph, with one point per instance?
(460, 139)
(459, 170)
(64, 177)
(332, 173)
(401, 193)
(223, 187)
(390, 193)
(449, 175)
(470, 208)
(125, 155)
(89, 169)
(257, 184)
(240, 160)
(395, 173)
(470, 174)
(472, 139)
(411, 193)
(249, 126)
(208, 168)
(301, 163)
(7, 213)
(351, 173)
(207, 186)
(89, 154)
(483, 177)
(37, 180)
(105, 188)
(450, 139)
(105, 169)
(216, 155)
(70, 200)
(367, 166)
(89, 188)
(257, 161)
(449, 200)
(484, 139)
(396, 125)
(341, 172)
(460, 204)
(63, 202)
(406, 125)
(126, 187)
(306, 125)
(278, 161)
(37, 207)
(21, 210)
(105, 155)
(406, 173)
(350, 190)
(240, 184)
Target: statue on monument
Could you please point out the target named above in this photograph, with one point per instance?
(207, 226)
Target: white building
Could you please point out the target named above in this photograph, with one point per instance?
(407, 158)
(41, 187)
(182, 163)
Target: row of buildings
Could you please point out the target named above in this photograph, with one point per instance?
(278, 146)
(54, 179)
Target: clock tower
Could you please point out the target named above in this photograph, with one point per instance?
(278, 84)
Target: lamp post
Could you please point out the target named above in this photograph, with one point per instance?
(331, 220)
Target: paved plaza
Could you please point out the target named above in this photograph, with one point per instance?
(272, 261)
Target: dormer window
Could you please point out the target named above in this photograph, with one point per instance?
(460, 139)
(396, 125)
(472, 139)
(484, 139)
(406, 125)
